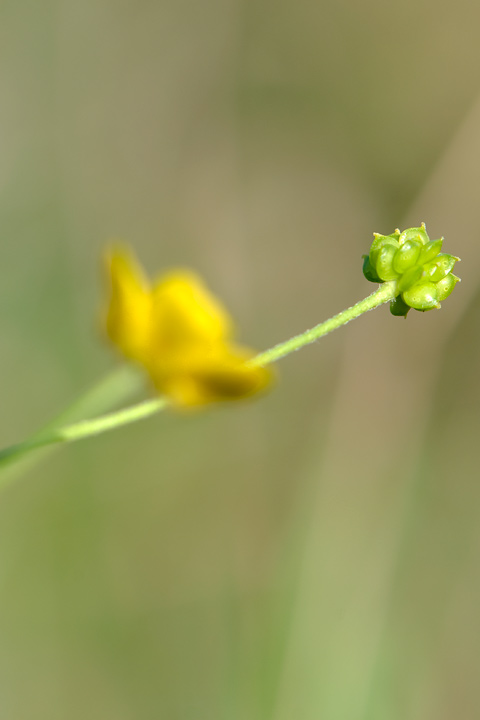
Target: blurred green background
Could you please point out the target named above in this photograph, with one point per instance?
(313, 554)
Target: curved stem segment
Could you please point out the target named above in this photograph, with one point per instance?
(52, 435)
(385, 293)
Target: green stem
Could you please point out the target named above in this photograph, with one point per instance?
(383, 294)
(52, 435)
(83, 429)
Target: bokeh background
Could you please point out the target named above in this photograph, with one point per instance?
(310, 554)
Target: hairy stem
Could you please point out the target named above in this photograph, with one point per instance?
(52, 434)
(383, 294)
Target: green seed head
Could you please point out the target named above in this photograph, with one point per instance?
(384, 263)
(378, 243)
(445, 286)
(440, 267)
(409, 278)
(407, 256)
(417, 234)
(423, 274)
(430, 250)
(422, 296)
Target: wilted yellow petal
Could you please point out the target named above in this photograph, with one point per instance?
(181, 334)
(186, 316)
(129, 313)
(221, 375)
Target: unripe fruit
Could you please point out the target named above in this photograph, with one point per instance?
(422, 296)
(420, 274)
(445, 286)
(440, 267)
(411, 277)
(406, 256)
(430, 251)
(379, 241)
(384, 264)
(417, 234)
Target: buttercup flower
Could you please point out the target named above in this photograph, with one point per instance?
(422, 273)
(180, 333)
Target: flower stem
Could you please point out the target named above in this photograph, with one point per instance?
(83, 429)
(385, 292)
(116, 387)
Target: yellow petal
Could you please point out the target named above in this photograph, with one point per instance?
(129, 314)
(181, 334)
(222, 375)
(187, 317)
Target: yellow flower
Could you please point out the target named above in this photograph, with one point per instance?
(180, 333)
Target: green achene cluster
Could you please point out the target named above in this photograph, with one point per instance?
(422, 273)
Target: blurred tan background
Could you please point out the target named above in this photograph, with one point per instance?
(309, 555)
